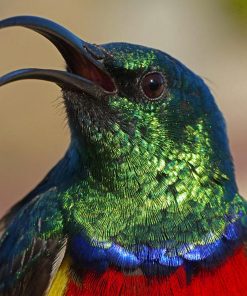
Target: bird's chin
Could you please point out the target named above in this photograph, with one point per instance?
(88, 114)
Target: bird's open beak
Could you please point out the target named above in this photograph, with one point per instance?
(85, 62)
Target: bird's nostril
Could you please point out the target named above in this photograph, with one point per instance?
(96, 51)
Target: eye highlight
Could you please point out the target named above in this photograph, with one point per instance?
(153, 85)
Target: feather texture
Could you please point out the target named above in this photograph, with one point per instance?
(229, 280)
(30, 247)
(145, 200)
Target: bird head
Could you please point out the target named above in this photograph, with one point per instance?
(140, 117)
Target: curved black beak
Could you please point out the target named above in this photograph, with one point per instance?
(85, 62)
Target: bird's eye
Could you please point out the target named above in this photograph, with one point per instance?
(153, 85)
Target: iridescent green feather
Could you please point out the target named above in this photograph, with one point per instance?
(166, 181)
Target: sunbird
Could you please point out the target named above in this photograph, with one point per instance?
(144, 201)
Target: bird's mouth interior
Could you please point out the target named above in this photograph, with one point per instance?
(79, 65)
(85, 62)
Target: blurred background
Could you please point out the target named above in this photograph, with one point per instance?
(210, 37)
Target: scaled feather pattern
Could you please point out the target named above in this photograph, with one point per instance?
(144, 201)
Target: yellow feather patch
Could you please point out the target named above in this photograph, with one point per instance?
(59, 284)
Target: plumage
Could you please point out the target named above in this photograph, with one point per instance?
(219, 281)
(144, 201)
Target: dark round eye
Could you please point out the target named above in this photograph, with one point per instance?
(153, 85)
